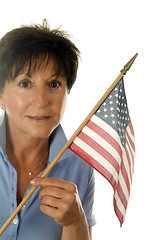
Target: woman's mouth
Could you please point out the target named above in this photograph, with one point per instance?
(39, 118)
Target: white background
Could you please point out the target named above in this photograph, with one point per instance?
(108, 34)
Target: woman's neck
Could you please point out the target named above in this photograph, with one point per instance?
(26, 151)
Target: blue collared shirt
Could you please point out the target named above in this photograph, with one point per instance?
(31, 223)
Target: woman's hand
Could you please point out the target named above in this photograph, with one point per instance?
(60, 200)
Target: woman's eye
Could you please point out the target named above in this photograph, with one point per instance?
(55, 84)
(25, 84)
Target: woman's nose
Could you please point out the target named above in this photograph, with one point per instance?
(40, 98)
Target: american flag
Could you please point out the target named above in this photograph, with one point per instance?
(107, 144)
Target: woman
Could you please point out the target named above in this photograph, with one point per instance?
(38, 68)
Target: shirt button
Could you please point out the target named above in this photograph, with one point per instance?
(24, 207)
(15, 221)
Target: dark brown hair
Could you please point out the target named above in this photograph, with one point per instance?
(29, 45)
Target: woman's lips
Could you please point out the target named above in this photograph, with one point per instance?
(39, 118)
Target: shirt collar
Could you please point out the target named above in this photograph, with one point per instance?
(57, 142)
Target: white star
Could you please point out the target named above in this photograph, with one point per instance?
(110, 96)
(116, 95)
(105, 110)
(104, 104)
(111, 109)
(116, 89)
(105, 116)
(112, 115)
(111, 102)
(113, 122)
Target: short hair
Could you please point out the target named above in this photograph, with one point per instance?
(27, 45)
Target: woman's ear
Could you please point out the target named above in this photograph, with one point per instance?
(2, 105)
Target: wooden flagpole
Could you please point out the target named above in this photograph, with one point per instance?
(66, 146)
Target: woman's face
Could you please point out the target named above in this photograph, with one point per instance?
(35, 102)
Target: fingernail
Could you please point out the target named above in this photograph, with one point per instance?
(32, 181)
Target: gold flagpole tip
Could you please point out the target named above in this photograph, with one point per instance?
(128, 65)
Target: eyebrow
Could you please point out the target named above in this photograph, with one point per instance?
(30, 75)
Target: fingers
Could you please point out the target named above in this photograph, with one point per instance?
(54, 182)
(60, 199)
(55, 188)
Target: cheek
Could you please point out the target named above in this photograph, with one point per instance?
(61, 106)
(14, 103)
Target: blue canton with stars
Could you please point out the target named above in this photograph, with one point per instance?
(114, 111)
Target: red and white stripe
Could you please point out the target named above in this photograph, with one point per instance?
(100, 146)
